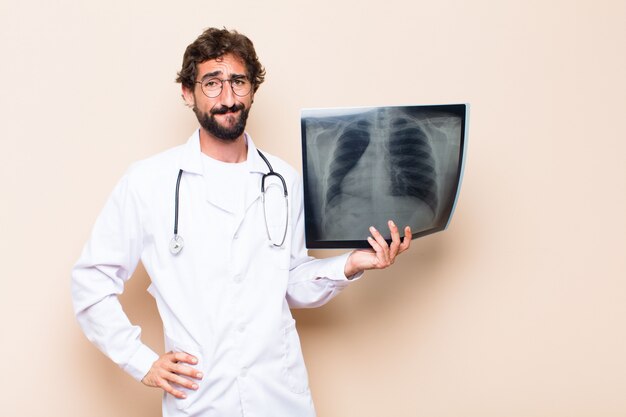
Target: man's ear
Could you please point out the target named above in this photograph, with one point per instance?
(188, 97)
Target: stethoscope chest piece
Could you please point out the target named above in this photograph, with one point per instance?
(176, 244)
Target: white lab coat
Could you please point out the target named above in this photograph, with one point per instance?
(224, 298)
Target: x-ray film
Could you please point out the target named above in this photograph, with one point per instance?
(365, 166)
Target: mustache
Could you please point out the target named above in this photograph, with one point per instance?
(223, 110)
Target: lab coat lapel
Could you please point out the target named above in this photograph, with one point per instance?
(219, 191)
(257, 169)
(190, 159)
(223, 194)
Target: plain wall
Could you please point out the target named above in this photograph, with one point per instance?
(518, 309)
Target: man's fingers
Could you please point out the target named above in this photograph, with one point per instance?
(383, 248)
(395, 240)
(165, 386)
(374, 244)
(184, 357)
(407, 239)
(170, 371)
(183, 382)
(186, 370)
(177, 365)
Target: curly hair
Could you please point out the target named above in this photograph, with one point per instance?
(214, 43)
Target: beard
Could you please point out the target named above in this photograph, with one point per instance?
(211, 125)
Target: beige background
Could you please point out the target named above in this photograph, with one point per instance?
(519, 309)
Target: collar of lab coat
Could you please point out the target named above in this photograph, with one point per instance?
(191, 162)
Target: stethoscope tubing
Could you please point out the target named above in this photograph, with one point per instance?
(177, 242)
(180, 174)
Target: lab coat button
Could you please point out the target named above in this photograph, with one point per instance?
(244, 372)
(237, 278)
(241, 328)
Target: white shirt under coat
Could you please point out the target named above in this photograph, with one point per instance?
(224, 298)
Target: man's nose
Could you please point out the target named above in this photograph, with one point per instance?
(227, 96)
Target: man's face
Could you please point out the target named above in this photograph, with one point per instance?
(224, 116)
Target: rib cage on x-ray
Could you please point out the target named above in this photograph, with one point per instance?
(411, 164)
(350, 147)
(380, 164)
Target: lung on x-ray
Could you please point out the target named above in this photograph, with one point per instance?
(365, 166)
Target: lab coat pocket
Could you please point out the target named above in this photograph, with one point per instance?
(293, 362)
(192, 395)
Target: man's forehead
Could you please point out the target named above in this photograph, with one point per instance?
(226, 64)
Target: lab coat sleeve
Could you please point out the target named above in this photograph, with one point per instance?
(312, 282)
(107, 262)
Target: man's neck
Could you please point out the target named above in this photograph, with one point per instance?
(221, 150)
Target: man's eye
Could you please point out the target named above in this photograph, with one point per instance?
(211, 83)
(239, 81)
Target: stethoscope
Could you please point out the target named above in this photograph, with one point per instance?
(177, 243)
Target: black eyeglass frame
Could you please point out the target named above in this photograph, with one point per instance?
(230, 80)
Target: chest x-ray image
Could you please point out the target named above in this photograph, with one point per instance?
(365, 166)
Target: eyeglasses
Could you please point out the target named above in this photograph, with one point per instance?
(212, 87)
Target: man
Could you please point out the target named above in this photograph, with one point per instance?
(224, 292)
